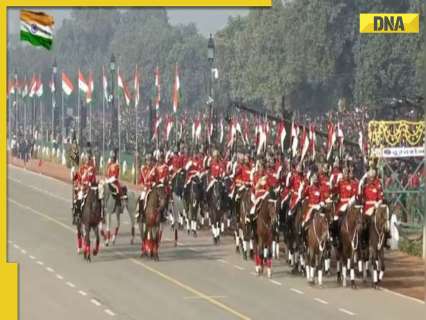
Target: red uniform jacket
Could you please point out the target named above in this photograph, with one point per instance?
(261, 188)
(345, 189)
(373, 192)
(113, 170)
(217, 169)
(296, 181)
(148, 177)
(324, 182)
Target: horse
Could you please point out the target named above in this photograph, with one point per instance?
(91, 216)
(216, 205)
(245, 228)
(328, 210)
(149, 220)
(130, 203)
(297, 246)
(377, 228)
(317, 236)
(193, 197)
(349, 229)
(176, 217)
(265, 219)
(112, 204)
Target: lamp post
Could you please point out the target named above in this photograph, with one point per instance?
(54, 74)
(114, 119)
(16, 100)
(210, 58)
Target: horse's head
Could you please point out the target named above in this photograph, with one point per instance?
(381, 216)
(162, 195)
(355, 213)
(218, 192)
(329, 210)
(272, 209)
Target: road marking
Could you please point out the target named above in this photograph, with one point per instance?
(346, 311)
(49, 269)
(192, 249)
(296, 290)
(59, 277)
(10, 241)
(16, 246)
(109, 312)
(82, 293)
(40, 190)
(146, 267)
(320, 301)
(253, 273)
(222, 261)
(23, 251)
(32, 257)
(276, 282)
(401, 295)
(238, 267)
(40, 262)
(95, 302)
(198, 298)
(70, 284)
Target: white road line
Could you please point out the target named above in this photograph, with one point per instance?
(95, 302)
(222, 261)
(320, 301)
(346, 311)
(23, 251)
(276, 282)
(402, 295)
(40, 262)
(49, 269)
(70, 284)
(32, 257)
(82, 293)
(109, 312)
(59, 277)
(16, 246)
(253, 273)
(238, 267)
(10, 241)
(199, 298)
(192, 249)
(40, 190)
(296, 290)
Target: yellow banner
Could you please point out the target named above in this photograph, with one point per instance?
(389, 23)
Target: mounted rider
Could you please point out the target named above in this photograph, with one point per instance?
(148, 177)
(113, 176)
(296, 184)
(216, 169)
(260, 185)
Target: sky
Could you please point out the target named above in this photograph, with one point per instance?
(207, 20)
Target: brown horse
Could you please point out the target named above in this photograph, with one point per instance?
(349, 231)
(149, 222)
(91, 216)
(265, 220)
(297, 244)
(328, 210)
(377, 236)
(317, 237)
(245, 229)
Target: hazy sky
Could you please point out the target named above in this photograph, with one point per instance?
(207, 20)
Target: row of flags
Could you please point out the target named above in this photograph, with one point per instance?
(86, 86)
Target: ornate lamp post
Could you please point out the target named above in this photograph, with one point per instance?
(210, 58)
(54, 75)
(114, 127)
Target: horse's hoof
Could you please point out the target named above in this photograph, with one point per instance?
(245, 255)
(132, 242)
(353, 285)
(78, 250)
(237, 249)
(95, 253)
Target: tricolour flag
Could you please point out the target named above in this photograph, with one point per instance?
(305, 143)
(280, 137)
(36, 28)
(313, 140)
(39, 87)
(158, 89)
(105, 84)
(33, 86)
(136, 86)
(90, 88)
(331, 138)
(294, 138)
(82, 83)
(67, 85)
(176, 90)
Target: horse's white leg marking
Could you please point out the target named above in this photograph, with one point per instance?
(327, 264)
(277, 248)
(222, 227)
(381, 274)
(348, 263)
(352, 274)
(273, 249)
(320, 277)
(344, 275)
(375, 276)
(338, 266)
(359, 265)
(228, 222)
(251, 244)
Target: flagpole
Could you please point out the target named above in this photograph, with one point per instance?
(103, 125)
(63, 120)
(90, 122)
(78, 112)
(41, 120)
(119, 127)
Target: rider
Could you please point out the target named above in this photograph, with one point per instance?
(216, 169)
(260, 185)
(324, 182)
(313, 196)
(297, 183)
(162, 171)
(147, 178)
(113, 173)
(346, 194)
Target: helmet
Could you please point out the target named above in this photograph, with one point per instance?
(371, 173)
(84, 158)
(345, 171)
(215, 153)
(314, 178)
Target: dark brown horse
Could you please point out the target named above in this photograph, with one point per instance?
(317, 237)
(328, 210)
(91, 216)
(265, 220)
(377, 236)
(149, 222)
(349, 231)
(245, 228)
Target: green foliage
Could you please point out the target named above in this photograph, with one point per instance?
(413, 248)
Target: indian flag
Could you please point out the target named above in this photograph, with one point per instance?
(36, 28)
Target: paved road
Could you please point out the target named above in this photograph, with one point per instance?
(196, 280)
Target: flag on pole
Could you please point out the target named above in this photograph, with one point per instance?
(136, 87)
(156, 127)
(123, 86)
(33, 86)
(280, 137)
(169, 126)
(11, 88)
(67, 85)
(39, 87)
(176, 90)
(36, 28)
(90, 88)
(331, 138)
(294, 138)
(158, 89)
(105, 84)
(341, 138)
(313, 140)
(82, 83)
(305, 144)
(52, 85)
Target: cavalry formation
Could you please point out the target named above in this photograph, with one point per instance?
(325, 216)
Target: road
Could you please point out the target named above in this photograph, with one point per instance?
(195, 280)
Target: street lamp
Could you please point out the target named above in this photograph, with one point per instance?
(210, 49)
(15, 76)
(54, 72)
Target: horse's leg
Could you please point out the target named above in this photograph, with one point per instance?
(352, 272)
(375, 263)
(87, 241)
(79, 239)
(344, 266)
(381, 264)
(96, 249)
(114, 237)
(108, 228)
(320, 268)
(132, 223)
